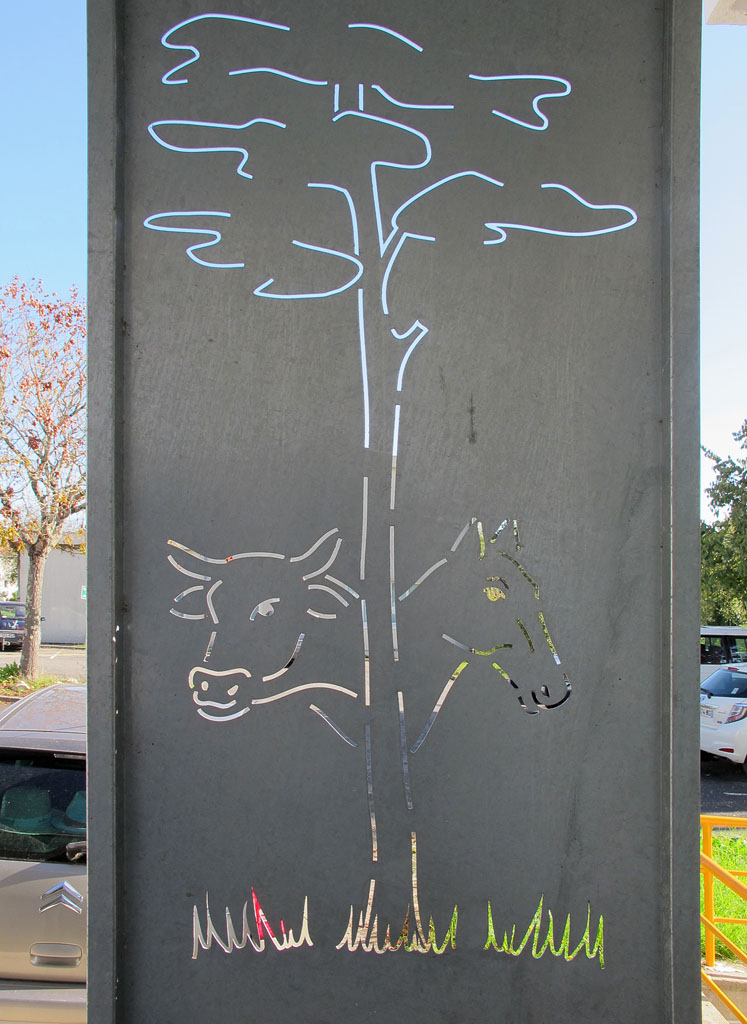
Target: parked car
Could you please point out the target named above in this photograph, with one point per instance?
(12, 623)
(43, 874)
(721, 645)
(723, 714)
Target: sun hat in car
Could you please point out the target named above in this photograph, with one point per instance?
(26, 809)
(74, 818)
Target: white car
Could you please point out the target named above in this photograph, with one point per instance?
(43, 879)
(723, 714)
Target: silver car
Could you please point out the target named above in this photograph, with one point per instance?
(43, 875)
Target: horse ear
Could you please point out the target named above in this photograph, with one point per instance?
(188, 562)
(320, 556)
(484, 536)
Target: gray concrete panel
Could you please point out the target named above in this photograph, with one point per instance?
(398, 512)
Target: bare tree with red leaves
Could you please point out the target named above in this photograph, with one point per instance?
(42, 430)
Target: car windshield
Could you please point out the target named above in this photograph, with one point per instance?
(726, 683)
(10, 611)
(42, 805)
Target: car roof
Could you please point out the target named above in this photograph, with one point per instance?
(51, 719)
(723, 631)
(12, 604)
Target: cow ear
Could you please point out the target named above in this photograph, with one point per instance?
(320, 557)
(188, 562)
(326, 600)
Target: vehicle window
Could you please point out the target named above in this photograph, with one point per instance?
(42, 805)
(712, 651)
(11, 613)
(737, 646)
(726, 683)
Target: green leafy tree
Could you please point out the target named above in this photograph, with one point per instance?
(42, 432)
(723, 587)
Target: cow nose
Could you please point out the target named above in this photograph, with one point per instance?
(214, 693)
(205, 686)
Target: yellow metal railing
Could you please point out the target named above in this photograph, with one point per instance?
(710, 871)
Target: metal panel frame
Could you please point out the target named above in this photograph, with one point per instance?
(679, 530)
(103, 493)
(681, 534)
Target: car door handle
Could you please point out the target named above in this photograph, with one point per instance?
(55, 954)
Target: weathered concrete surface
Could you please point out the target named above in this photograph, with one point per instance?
(711, 1014)
(732, 978)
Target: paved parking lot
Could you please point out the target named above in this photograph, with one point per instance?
(723, 787)
(61, 662)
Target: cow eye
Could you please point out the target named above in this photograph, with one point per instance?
(264, 608)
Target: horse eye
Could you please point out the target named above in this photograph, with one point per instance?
(264, 608)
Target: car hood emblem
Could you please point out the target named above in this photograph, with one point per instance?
(62, 895)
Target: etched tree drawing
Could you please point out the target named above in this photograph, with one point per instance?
(392, 201)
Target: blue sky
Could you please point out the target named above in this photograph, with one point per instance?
(43, 166)
(723, 230)
(43, 175)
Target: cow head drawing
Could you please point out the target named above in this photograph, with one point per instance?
(260, 601)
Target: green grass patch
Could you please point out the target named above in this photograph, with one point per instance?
(14, 684)
(730, 851)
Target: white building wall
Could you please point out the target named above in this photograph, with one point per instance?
(63, 596)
